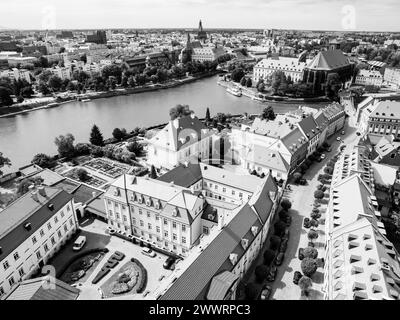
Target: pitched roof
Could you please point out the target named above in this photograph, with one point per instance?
(35, 289)
(26, 210)
(329, 60)
(309, 127)
(220, 285)
(192, 283)
(267, 157)
(183, 175)
(387, 109)
(294, 140)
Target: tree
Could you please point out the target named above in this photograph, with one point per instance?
(43, 160)
(249, 83)
(243, 81)
(283, 215)
(305, 283)
(314, 223)
(96, 138)
(118, 134)
(135, 147)
(23, 186)
(179, 110)
(268, 256)
(286, 204)
(82, 149)
(333, 84)
(268, 113)
(251, 291)
(318, 194)
(297, 176)
(153, 172)
(55, 83)
(260, 87)
(82, 174)
(310, 252)
(328, 170)
(312, 235)
(97, 151)
(65, 145)
(261, 273)
(208, 117)
(279, 228)
(237, 74)
(5, 97)
(315, 215)
(275, 242)
(309, 266)
(4, 161)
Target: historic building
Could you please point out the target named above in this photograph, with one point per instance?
(291, 67)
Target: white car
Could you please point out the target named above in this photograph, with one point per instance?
(79, 243)
(338, 138)
(323, 156)
(148, 252)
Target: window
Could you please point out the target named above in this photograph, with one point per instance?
(183, 240)
(205, 230)
(141, 223)
(1, 291)
(62, 214)
(68, 208)
(140, 211)
(157, 217)
(223, 189)
(55, 219)
(46, 247)
(38, 255)
(174, 225)
(233, 192)
(183, 228)
(149, 226)
(133, 221)
(59, 234)
(16, 256)
(117, 215)
(53, 242)
(21, 272)
(34, 240)
(165, 221)
(6, 265)
(49, 226)
(71, 222)
(166, 233)
(158, 229)
(125, 218)
(65, 228)
(174, 236)
(11, 281)
(240, 195)
(148, 214)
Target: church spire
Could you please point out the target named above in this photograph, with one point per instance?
(200, 26)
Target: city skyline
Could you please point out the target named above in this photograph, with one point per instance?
(338, 15)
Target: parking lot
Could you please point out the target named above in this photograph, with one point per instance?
(94, 230)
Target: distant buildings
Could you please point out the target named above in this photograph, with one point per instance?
(201, 34)
(207, 53)
(99, 37)
(16, 74)
(317, 72)
(62, 72)
(32, 229)
(369, 77)
(291, 67)
(392, 77)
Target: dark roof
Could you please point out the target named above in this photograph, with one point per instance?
(192, 284)
(34, 289)
(295, 137)
(308, 125)
(26, 210)
(263, 203)
(96, 206)
(220, 285)
(184, 176)
(192, 123)
(329, 60)
(67, 185)
(84, 193)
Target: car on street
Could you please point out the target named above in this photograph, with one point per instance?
(302, 182)
(168, 263)
(265, 293)
(338, 139)
(323, 156)
(285, 235)
(279, 258)
(272, 273)
(297, 276)
(343, 132)
(79, 243)
(148, 252)
(306, 223)
(301, 254)
(283, 246)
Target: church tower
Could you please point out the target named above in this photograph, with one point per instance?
(201, 34)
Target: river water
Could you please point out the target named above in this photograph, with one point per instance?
(24, 135)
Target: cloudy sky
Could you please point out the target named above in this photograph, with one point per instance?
(368, 15)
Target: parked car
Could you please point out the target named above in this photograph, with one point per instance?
(358, 133)
(302, 182)
(343, 132)
(272, 273)
(323, 156)
(283, 246)
(148, 252)
(285, 235)
(301, 254)
(168, 263)
(338, 139)
(297, 276)
(265, 293)
(279, 258)
(79, 243)
(306, 223)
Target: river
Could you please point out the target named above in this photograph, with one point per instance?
(24, 135)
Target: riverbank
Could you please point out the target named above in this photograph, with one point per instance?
(250, 93)
(25, 108)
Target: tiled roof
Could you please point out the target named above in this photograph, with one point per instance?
(220, 285)
(329, 60)
(267, 157)
(183, 175)
(309, 127)
(387, 109)
(26, 210)
(35, 289)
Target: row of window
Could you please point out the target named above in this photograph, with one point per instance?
(210, 185)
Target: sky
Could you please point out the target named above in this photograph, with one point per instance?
(361, 15)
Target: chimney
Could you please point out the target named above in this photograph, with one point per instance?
(94, 194)
(221, 221)
(42, 191)
(192, 115)
(186, 164)
(34, 196)
(192, 189)
(175, 123)
(171, 183)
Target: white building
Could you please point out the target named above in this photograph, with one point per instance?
(369, 77)
(22, 61)
(391, 77)
(61, 72)
(32, 229)
(179, 141)
(16, 74)
(207, 53)
(290, 66)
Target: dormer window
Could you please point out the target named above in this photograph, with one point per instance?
(245, 243)
(117, 192)
(157, 204)
(254, 230)
(133, 197)
(148, 202)
(140, 199)
(233, 258)
(175, 212)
